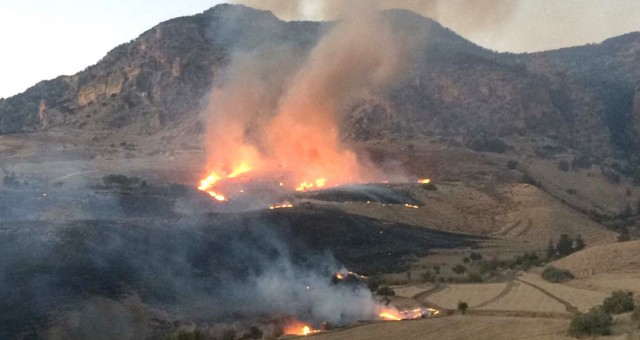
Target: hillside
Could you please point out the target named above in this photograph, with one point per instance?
(608, 258)
(458, 93)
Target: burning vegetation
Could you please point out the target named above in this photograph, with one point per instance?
(273, 115)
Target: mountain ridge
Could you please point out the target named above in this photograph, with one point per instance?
(584, 98)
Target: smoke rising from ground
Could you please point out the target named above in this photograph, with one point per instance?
(195, 269)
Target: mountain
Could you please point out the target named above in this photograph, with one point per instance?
(584, 98)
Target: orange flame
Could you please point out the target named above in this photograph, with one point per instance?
(390, 314)
(281, 206)
(424, 181)
(298, 328)
(318, 183)
(209, 182)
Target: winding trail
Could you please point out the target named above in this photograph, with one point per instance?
(569, 307)
(503, 293)
(421, 297)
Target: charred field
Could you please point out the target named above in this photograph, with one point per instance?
(138, 243)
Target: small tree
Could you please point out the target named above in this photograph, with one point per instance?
(373, 283)
(459, 269)
(556, 275)
(625, 235)
(565, 245)
(475, 256)
(594, 322)
(462, 307)
(551, 250)
(619, 302)
(578, 243)
(386, 292)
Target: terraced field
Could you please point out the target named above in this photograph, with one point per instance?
(457, 327)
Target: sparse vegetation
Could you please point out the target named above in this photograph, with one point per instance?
(124, 183)
(611, 175)
(488, 144)
(556, 275)
(10, 180)
(563, 165)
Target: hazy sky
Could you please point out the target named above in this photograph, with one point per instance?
(41, 39)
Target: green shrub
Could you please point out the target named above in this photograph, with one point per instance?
(475, 256)
(556, 275)
(462, 307)
(619, 302)
(593, 322)
(459, 269)
(385, 291)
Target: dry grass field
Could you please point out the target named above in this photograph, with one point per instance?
(411, 290)
(608, 282)
(473, 294)
(456, 327)
(582, 299)
(518, 212)
(523, 297)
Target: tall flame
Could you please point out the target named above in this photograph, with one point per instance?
(208, 184)
(271, 118)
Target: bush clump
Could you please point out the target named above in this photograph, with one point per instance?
(556, 275)
(619, 302)
(594, 322)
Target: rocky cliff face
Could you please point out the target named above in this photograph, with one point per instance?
(585, 97)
